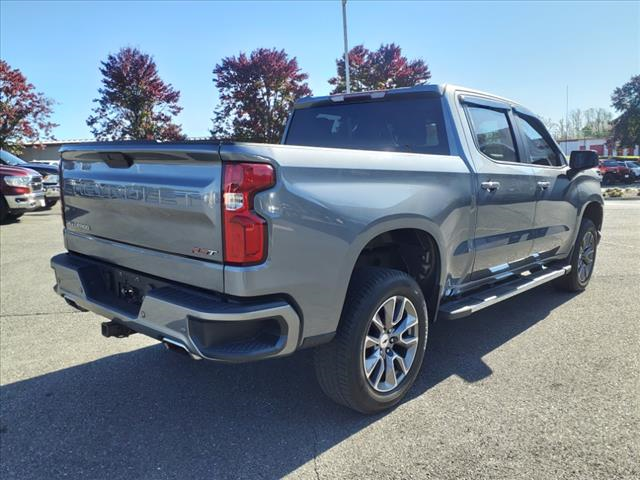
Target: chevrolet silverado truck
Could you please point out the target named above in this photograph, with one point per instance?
(379, 213)
(20, 191)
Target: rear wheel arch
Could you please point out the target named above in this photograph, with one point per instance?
(410, 250)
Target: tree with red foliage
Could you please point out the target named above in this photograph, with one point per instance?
(378, 70)
(134, 103)
(24, 113)
(256, 95)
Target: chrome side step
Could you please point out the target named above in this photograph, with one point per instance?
(477, 301)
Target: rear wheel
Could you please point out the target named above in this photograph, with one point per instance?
(607, 179)
(379, 346)
(583, 258)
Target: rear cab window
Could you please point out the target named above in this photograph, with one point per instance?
(402, 124)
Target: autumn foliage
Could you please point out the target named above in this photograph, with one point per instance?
(134, 103)
(24, 113)
(379, 69)
(256, 93)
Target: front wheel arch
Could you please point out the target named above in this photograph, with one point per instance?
(594, 212)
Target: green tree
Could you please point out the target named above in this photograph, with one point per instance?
(626, 100)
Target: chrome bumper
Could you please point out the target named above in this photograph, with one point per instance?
(182, 316)
(28, 201)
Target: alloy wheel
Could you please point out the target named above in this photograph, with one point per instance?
(391, 343)
(586, 256)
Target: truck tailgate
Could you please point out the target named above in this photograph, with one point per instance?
(161, 197)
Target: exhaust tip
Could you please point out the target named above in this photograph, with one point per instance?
(178, 347)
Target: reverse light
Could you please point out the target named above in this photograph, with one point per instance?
(245, 232)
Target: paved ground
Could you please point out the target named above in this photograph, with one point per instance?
(544, 386)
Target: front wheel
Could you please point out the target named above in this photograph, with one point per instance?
(380, 343)
(583, 258)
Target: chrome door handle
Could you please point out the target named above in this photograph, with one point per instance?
(490, 186)
(544, 185)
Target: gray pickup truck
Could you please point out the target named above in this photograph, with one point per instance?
(379, 213)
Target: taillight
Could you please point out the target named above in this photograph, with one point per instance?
(245, 232)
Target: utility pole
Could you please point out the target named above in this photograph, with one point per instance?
(566, 125)
(346, 45)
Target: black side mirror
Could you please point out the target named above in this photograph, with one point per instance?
(583, 159)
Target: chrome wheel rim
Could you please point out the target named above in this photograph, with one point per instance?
(390, 345)
(586, 256)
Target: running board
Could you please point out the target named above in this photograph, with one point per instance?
(480, 300)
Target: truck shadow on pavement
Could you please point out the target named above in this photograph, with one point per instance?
(154, 414)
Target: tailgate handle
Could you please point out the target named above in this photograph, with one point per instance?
(117, 159)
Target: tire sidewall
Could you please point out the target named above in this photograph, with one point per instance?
(408, 288)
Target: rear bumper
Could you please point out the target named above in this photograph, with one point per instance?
(206, 325)
(26, 202)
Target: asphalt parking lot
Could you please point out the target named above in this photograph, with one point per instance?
(546, 385)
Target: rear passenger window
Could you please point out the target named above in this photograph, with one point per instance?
(539, 149)
(493, 133)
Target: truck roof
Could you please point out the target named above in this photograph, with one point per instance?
(426, 89)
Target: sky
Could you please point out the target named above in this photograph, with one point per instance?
(529, 52)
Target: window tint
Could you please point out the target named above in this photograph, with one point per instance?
(493, 133)
(539, 149)
(402, 125)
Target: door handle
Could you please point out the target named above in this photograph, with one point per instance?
(544, 185)
(490, 186)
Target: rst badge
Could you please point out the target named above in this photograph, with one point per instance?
(203, 251)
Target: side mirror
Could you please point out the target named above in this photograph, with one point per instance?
(583, 159)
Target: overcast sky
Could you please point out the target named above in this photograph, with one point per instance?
(527, 51)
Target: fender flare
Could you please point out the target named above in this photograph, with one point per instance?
(383, 225)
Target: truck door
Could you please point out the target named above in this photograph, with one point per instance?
(555, 216)
(506, 189)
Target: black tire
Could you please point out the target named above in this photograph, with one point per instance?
(574, 281)
(50, 203)
(340, 364)
(4, 210)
